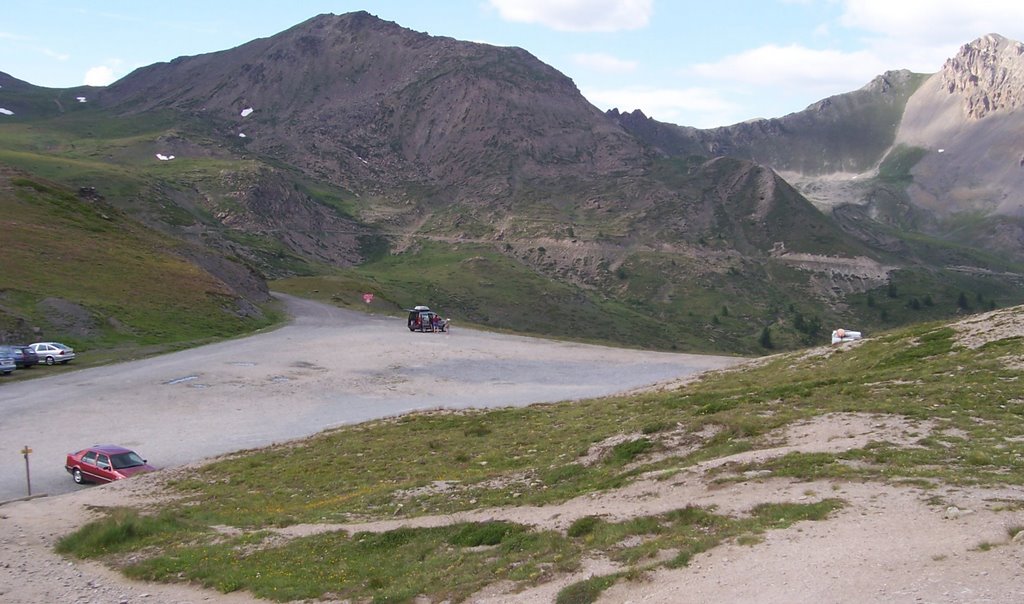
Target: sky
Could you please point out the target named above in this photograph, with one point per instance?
(702, 64)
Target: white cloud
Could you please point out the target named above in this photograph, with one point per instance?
(604, 63)
(933, 21)
(924, 33)
(699, 107)
(99, 76)
(53, 54)
(919, 35)
(578, 15)
(795, 66)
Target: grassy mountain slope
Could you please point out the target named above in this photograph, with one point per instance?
(80, 271)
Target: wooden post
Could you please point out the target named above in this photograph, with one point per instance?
(28, 475)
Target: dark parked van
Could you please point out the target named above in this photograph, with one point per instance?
(421, 318)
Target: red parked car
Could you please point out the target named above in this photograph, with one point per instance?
(104, 463)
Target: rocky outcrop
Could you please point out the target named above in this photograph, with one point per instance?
(836, 277)
(989, 74)
(965, 120)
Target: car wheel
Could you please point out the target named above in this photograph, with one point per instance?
(76, 475)
(49, 360)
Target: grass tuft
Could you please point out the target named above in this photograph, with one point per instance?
(121, 530)
(586, 591)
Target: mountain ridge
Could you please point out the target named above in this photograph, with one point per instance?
(918, 151)
(348, 143)
(388, 78)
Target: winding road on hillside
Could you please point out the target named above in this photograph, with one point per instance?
(327, 367)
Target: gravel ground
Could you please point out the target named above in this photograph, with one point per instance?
(327, 368)
(889, 544)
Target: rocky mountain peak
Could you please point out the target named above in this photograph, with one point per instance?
(988, 73)
(888, 80)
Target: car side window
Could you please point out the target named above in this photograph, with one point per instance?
(102, 461)
(89, 458)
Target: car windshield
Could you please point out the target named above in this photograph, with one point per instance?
(126, 460)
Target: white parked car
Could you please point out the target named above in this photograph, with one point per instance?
(53, 352)
(840, 335)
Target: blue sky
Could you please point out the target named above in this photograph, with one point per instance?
(703, 64)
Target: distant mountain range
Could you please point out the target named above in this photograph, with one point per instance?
(953, 136)
(348, 141)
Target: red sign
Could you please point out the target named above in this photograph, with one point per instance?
(367, 298)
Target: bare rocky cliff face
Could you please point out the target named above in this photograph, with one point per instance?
(988, 75)
(968, 120)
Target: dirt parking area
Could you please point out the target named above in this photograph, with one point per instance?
(889, 543)
(327, 368)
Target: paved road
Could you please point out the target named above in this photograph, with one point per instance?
(326, 368)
